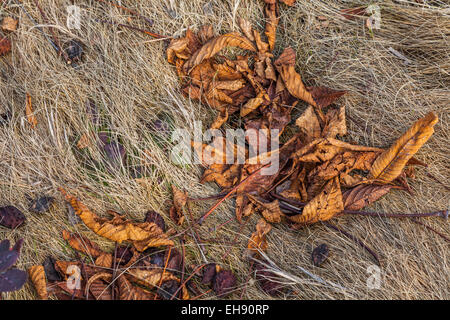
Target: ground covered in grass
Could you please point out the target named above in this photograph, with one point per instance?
(393, 75)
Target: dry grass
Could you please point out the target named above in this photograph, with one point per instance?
(126, 74)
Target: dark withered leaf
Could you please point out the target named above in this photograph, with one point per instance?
(115, 154)
(5, 117)
(224, 282)
(92, 111)
(175, 260)
(269, 281)
(157, 259)
(12, 280)
(50, 271)
(320, 254)
(74, 51)
(11, 217)
(160, 126)
(4, 245)
(155, 217)
(209, 272)
(167, 289)
(124, 254)
(41, 204)
(7, 259)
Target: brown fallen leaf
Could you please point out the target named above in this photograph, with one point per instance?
(335, 124)
(272, 19)
(104, 260)
(246, 28)
(363, 195)
(9, 24)
(258, 239)
(29, 112)
(391, 162)
(222, 118)
(150, 278)
(320, 254)
(5, 46)
(37, 276)
(294, 84)
(205, 33)
(324, 96)
(309, 125)
(213, 46)
(82, 244)
(97, 286)
(142, 235)
(254, 103)
(127, 291)
(224, 282)
(84, 141)
(321, 150)
(322, 207)
(179, 201)
(270, 210)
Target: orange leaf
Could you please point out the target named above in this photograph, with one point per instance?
(213, 46)
(322, 207)
(142, 235)
(37, 276)
(391, 162)
(271, 24)
(5, 46)
(29, 112)
(258, 239)
(363, 195)
(82, 244)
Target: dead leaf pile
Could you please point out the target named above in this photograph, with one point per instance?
(319, 173)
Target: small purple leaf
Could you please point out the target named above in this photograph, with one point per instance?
(11, 217)
(8, 259)
(12, 280)
(4, 245)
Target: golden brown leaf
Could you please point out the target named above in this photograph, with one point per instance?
(104, 260)
(142, 235)
(324, 149)
(294, 84)
(335, 123)
(269, 72)
(213, 46)
(363, 195)
(83, 142)
(271, 24)
(37, 276)
(322, 207)
(391, 162)
(258, 240)
(152, 277)
(262, 46)
(205, 33)
(270, 210)
(9, 24)
(29, 112)
(98, 288)
(288, 2)
(127, 291)
(324, 96)
(287, 58)
(220, 120)
(82, 244)
(177, 49)
(253, 103)
(309, 125)
(246, 28)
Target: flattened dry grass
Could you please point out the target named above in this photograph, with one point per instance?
(125, 73)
